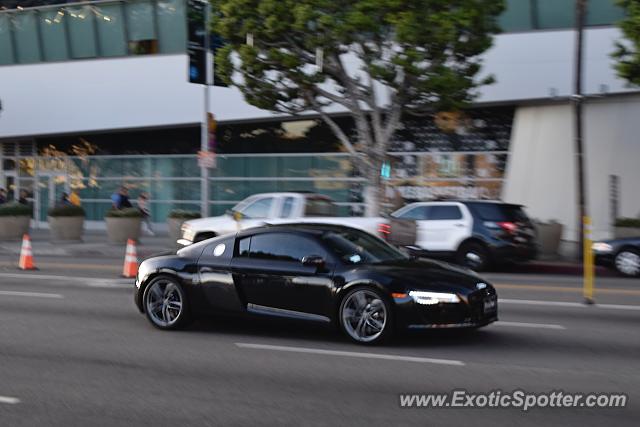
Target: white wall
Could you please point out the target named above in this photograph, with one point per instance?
(151, 91)
(541, 169)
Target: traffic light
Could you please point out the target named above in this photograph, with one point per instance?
(196, 23)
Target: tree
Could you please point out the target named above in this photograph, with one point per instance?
(375, 59)
(627, 52)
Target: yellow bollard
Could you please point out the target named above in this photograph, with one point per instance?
(587, 262)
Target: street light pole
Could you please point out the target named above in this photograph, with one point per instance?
(584, 220)
(204, 127)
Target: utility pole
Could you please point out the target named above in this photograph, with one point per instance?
(204, 127)
(584, 220)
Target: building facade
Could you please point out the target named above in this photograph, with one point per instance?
(96, 94)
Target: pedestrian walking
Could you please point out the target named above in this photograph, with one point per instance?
(120, 199)
(143, 206)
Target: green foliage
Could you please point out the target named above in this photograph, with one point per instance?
(426, 51)
(628, 222)
(627, 52)
(184, 214)
(66, 210)
(124, 213)
(15, 209)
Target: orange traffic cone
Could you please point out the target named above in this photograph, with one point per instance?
(26, 255)
(130, 260)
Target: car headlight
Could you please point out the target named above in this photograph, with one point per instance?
(601, 247)
(431, 298)
(187, 232)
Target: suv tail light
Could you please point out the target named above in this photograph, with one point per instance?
(384, 229)
(508, 226)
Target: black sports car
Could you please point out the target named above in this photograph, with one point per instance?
(621, 254)
(317, 272)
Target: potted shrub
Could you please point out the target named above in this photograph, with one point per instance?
(175, 220)
(627, 227)
(549, 235)
(66, 222)
(123, 224)
(14, 220)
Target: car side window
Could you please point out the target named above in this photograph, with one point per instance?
(287, 207)
(444, 212)
(243, 247)
(283, 247)
(417, 213)
(261, 208)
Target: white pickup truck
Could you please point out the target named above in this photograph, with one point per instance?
(275, 208)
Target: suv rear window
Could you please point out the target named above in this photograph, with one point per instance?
(319, 206)
(499, 212)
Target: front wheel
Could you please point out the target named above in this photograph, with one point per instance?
(165, 303)
(365, 316)
(627, 262)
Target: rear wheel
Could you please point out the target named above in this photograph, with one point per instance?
(365, 316)
(165, 303)
(627, 262)
(473, 255)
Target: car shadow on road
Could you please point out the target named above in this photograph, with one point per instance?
(307, 333)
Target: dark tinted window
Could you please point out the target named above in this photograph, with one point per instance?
(319, 206)
(287, 207)
(499, 212)
(283, 247)
(444, 212)
(419, 212)
(358, 247)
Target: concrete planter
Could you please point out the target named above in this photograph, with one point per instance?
(121, 229)
(549, 235)
(13, 227)
(622, 232)
(174, 225)
(66, 227)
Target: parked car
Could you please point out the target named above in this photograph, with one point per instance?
(623, 255)
(273, 208)
(316, 272)
(474, 233)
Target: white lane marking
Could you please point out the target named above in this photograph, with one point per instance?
(88, 281)
(30, 294)
(351, 354)
(529, 325)
(9, 400)
(568, 304)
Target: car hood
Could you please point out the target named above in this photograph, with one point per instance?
(429, 275)
(211, 224)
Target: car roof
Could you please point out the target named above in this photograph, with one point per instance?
(464, 201)
(307, 228)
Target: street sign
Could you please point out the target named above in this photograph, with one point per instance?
(207, 159)
(196, 46)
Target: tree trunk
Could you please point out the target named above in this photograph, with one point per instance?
(373, 191)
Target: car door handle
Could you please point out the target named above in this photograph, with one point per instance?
(459, 225)
(206, 270)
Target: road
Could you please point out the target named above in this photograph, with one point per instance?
(76, 352)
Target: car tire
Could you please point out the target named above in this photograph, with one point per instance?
(473, 255)
(165, 303)
(365, 316)
(627, 262)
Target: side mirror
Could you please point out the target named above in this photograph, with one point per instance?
(237, 215)
(313, 261)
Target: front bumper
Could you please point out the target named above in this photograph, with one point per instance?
(477, 309)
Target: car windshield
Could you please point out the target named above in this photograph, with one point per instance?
(357, 247)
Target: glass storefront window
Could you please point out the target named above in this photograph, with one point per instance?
(54, 40)
(603, 12)
(25, 32)
(6, 45)
(172, 26)
(516, 16)
(555, 14)
(82, 32)
(111, 33)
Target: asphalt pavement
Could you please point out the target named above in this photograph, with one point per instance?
(75, 351)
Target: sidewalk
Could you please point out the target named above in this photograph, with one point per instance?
(94, 244)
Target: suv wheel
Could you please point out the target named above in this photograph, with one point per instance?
(473, 255)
